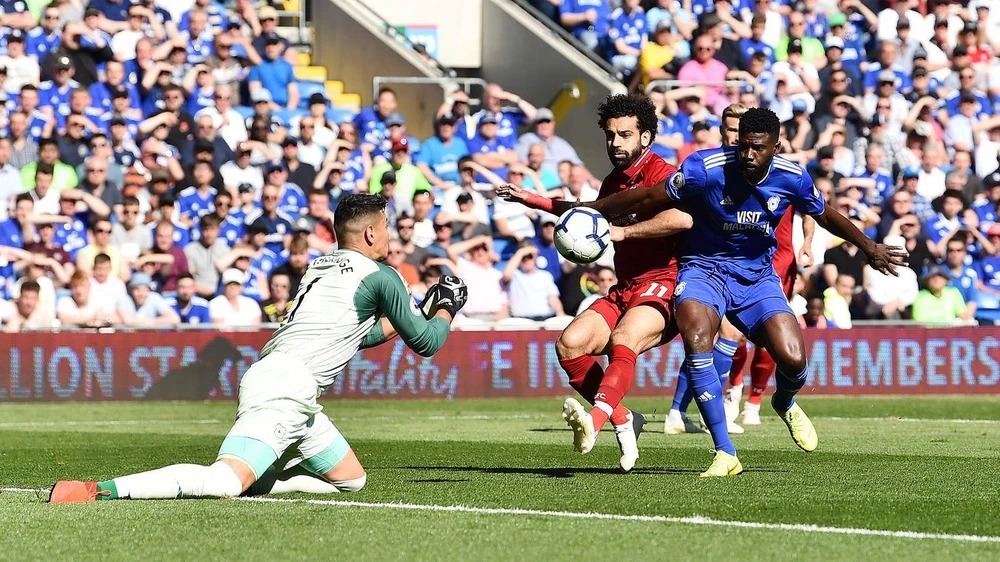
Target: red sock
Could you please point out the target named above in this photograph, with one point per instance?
(739, 361)
(585, 375)
(617, 380)
(760, 373)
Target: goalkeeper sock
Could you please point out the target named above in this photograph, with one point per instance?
(707, 390)
(585, 375)
(178, 481)
(787, 387)
(617, 380)
(298, 479)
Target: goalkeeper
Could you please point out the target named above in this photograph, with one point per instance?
(282, 441)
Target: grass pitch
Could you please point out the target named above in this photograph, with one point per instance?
(930, 477)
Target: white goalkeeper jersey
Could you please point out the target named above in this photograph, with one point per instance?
(337, 310)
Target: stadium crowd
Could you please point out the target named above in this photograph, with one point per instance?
(160, 164)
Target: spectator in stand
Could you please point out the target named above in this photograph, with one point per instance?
(952, 217)
(467, 185)
(46, 199)
(298, 262)
(659, 56)
(605, 279)
(190, 308)
(964, 276)
(100, 243)
(531, 291)
(587, 20)
(26, 312)
(268, 18)
(130, 236)
(814, 316)
(61, 266)
(705, 68)
(292, 201)
(203, 254)
(423, 228)
(79, 309)
(310, 150)
(547, 179)
(105, 287)
(837, 301)
(415, 254)
(300, 173)
(556, 148)
(409, 180)
(230, 63)
(475, 259)
(319, 218)
(396, 259)
(890, 295)
(95, 183)
(931, 183)
(261, 256)
(439, 155)
(46, 36)
(488, 150)
(275, 74)
(578, 186)
(141, 23)
(509, 118)
(231, 308)
(227, 121)
(395, 205)
(370, 121)
(275, 309)
(548, 257)
(939, 303)
(21, 68)
(278, 224)
(511, 221)
(142, 306)
(429, 276)
(626, 34)
(173, 262)
(240, 171)
(24, 149)
(71, 234)
(64, 176)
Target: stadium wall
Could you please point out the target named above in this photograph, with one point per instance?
(455, 27)
(198, 365)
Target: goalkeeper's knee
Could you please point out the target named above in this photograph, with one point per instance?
(352, 485)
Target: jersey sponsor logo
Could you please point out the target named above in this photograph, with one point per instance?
(772, 203)
(748, 220)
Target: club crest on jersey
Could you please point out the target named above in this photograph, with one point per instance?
(772, 203)
(680, 288)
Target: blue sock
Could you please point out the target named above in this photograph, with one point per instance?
(723, 356)
(708, 394)
(682, 394)
(787, 387)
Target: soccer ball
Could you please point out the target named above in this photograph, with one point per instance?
(582, 235)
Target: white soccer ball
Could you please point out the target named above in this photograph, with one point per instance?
(582, 235)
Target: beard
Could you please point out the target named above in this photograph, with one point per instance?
(622, 160)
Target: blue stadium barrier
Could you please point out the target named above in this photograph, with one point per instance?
(307, 89)
(339, 115)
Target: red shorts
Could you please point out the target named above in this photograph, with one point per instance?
(786, 268)
(655, 293)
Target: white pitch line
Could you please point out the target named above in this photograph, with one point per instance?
(696, 520)
(97, 423)
(24, 490)
(911, 420)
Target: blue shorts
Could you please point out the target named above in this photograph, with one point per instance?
(748, 302)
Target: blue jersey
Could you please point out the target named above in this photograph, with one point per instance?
(734, 221)
(196, 311)
(200, 48)
(251, 286)
(192, 204)
(600, 24)
(967, 283)
(51, 95)
(370, 126)
(817, 26)
(939, 226)
(39, 44)
(292, 201)
(231, 230)
(11, 234)
(903, 82)
(988, 270)
(72, 236)
(985, 106)
(100, 96)
(884, 186)
(665, 126)
(479, 145)
(629, 27)
(854, 53)
(182, 234)
(217, 20)
(277, 228)
(986, 210)
(116, 11)
(267, 261)
(748, 47)
(443, 159)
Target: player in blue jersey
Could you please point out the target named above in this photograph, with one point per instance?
(736, 197)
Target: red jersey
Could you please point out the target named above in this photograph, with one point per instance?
(636, 260)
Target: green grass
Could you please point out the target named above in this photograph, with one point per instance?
(927, 473)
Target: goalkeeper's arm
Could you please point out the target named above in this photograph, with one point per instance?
(423, 336)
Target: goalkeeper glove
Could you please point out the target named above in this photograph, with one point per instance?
(449, 294)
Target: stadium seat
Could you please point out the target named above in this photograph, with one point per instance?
(340, 115)
(286, 115)
(243, 110)
(303, 59)
(348, 100)
(334, 88)
(311, 73)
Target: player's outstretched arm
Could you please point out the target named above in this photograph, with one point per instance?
(665, 223)
(884, 259)
(423, 336)
(633, 201)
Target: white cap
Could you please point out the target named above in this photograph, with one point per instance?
(232, 275)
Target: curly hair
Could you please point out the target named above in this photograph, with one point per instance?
(628, 105)
(760, 120)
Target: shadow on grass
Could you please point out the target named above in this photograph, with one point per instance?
(570, 472)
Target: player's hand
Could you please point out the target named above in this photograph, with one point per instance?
(806, 257)
(450, 295)
(617, 233)
(511, 192)
(885, 259)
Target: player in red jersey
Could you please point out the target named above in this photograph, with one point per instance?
(730, 349)
(637, 314)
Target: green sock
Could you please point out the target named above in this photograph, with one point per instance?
(109, 487)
